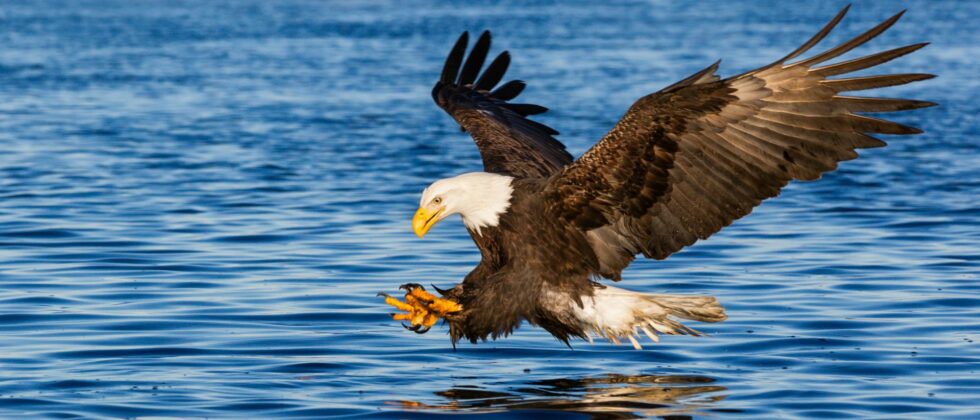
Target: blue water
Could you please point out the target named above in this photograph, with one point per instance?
(198, 204)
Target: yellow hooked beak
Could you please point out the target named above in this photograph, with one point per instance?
(424, 220)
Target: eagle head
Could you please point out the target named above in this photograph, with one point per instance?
(479, 197)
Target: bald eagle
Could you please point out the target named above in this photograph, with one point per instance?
(681, 164)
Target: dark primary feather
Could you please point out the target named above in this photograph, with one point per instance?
(527, 109)
(494, 72)
(688, 160)
(455, 59)
(508, 90)
(475, 60)
(509, 143)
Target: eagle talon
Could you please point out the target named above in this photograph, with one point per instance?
(421, 309)
(409, 287)
(418, 329)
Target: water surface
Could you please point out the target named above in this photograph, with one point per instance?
(198, 204)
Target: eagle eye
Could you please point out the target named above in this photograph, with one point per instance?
(437, 200)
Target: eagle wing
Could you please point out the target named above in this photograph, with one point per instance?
(509, 142)
(688, 160)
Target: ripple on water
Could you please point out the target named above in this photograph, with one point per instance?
(200, 200)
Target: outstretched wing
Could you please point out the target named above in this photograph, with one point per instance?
(688, 160)
(509, 142)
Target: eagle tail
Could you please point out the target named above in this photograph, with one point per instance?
(618, 314)
(697, 308)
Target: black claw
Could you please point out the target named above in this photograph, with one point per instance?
(384, 294)
(408, 287)
(441, 291)
(416, 328)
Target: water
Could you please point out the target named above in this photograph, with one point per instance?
(198, 204)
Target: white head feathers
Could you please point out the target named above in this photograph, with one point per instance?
(479, 197)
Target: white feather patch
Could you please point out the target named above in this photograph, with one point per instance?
(479, 197)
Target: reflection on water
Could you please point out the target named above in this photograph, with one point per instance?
(610, 396)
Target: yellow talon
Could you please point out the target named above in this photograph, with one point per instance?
(402, 306)
(445, 306)
(430, 320)
(421, 294)
(418, 317)
(412, 300)
(422, 309)
(438, 305)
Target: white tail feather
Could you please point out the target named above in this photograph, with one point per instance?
(616, 313)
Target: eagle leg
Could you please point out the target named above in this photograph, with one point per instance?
(422, 309)
(434, 304)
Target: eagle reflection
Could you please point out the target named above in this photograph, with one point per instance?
(611, 396)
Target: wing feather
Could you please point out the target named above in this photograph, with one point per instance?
(866, 62)
(689, 160)
(873, 82)
(475, 60)
(509, 142)
(451, 68)
(494, 72)
(508, 90)
(852, 43)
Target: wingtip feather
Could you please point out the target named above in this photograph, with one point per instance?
(454, 59)
(509, 90)
(874, 82)
(494, 72)
(471, 68)
(852, 43)
(817, 37)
